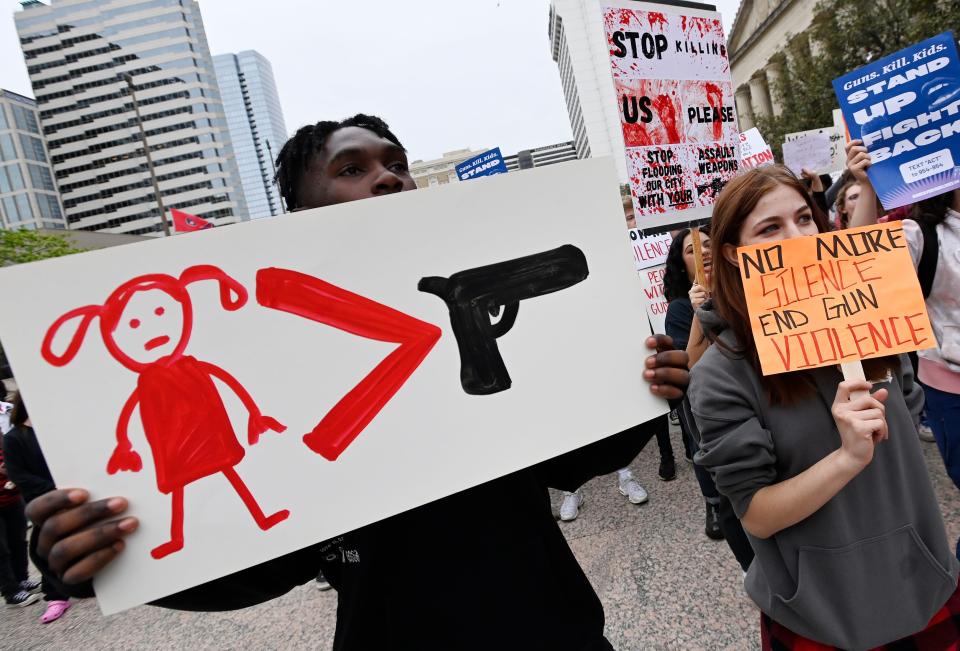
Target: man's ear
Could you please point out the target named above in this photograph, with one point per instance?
(730, 253)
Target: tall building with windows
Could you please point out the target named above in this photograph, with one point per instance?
(255, 119)
(78, 54)
(28, 192)
(579, 46)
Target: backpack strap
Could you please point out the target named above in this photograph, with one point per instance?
(927, 267)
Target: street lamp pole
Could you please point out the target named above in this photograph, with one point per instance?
(146, 152)
(273, 166)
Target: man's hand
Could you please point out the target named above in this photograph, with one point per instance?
(78, 538)
(667, 370)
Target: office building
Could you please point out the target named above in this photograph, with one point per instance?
(79, 54)
(579, 46)
(28, 191)
(255, 120)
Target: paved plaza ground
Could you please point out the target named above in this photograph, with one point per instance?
(663, 584)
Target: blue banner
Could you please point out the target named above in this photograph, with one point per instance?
(485, 164)
(906, 109)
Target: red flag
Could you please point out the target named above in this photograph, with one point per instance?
(185, 222)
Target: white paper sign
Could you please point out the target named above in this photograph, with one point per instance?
(754, 151)
(838, 156)
(332, 301)
(810, 151)
(649, 251)
(651, 279)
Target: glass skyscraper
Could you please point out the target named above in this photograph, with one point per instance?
(255, 119)
(78, 54)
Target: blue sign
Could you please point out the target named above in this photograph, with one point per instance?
(485, 164)
(906, 109)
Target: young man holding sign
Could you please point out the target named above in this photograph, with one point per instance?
(851, 550)
(435, 577)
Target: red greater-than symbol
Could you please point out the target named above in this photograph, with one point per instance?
(318, 300)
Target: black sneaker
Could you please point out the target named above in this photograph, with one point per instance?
(668, 469)
(30, 586)
(22, 598)
(712, 528)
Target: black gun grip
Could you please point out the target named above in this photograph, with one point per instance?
(474, 295)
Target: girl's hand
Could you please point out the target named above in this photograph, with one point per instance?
(858, 160)
(698, 295)
(862, 422)
(258, 424)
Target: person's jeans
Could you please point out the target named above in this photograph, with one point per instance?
(729, 523)
(13, 548)
(943, 415)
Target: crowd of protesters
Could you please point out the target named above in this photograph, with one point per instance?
(823, 499)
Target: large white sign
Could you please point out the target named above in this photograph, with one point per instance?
(675, 98)
(274, 376)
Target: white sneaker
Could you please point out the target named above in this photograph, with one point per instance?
(633, 491)
(570, 508)
(925, 433)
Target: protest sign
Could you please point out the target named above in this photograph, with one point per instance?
(486, 164)
(811, 151)
(840, 126)
(754, 152)
(906, 109)
(839, 297)
(343, 347)
(649, 251)
(838, 156)
(674, 96)
(651, 282)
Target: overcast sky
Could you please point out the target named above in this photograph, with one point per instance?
(445, 75)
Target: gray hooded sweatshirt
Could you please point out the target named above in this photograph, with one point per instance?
(873, 564)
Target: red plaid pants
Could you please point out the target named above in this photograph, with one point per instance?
(941, 634)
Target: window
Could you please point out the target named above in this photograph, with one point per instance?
(40, 177)
(49, 207)
(23, 205)
(11, 179)
(17, 208)
(7, 150)
(32, 148)
(3, 118)
(25, 119)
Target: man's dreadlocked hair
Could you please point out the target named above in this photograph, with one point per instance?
(294, 158)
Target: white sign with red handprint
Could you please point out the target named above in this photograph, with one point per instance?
(675, 98)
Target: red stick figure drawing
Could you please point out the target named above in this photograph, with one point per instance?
(146, 325)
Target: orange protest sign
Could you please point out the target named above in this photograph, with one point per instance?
(838, 297)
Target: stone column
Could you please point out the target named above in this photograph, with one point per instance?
(774, 77)
(744, 110)
(760, 96)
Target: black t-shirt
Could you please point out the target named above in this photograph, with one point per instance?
(486, 568)
(679, 321)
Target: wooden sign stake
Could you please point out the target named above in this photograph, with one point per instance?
(854, 371)
(700, 276)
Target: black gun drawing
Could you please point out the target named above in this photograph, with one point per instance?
(475, 295)
(716, 185)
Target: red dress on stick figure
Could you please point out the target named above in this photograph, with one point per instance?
(146, 324)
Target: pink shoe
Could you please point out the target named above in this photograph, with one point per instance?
(55, 610)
